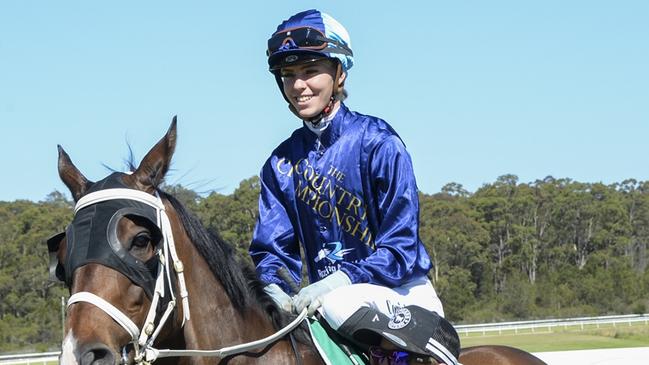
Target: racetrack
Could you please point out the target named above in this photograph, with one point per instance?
(626, 356)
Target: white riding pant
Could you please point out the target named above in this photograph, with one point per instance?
(339, 304)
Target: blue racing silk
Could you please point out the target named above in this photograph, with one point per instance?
(349, 197)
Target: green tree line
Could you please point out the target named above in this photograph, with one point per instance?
(547, 249)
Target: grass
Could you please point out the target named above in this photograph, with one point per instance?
(565, 339)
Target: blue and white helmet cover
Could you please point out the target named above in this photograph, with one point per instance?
(323, 22)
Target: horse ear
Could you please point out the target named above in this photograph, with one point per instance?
(71, 176)
(156, 163)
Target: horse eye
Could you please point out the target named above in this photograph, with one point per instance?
(141, 240)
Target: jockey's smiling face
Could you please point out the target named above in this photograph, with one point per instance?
(309, 86)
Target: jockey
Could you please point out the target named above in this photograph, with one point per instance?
(342, 190)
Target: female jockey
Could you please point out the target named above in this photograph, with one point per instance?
(342, 189)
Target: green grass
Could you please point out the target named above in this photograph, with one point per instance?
(564, 339)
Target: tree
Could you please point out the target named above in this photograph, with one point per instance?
(494, 203)
(233, 216)
(28, 298)
(188, 198)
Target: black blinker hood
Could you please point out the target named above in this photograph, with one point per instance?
(92, 237)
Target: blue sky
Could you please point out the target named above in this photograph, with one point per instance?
(476, 89)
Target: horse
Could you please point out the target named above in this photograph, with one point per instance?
(493, 354)
(143, 271)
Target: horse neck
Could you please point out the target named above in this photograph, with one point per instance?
(214, 319)
(213, 313)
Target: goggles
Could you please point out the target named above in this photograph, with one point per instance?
(304, 38)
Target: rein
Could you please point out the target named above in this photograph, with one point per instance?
(153, 354)
(142, 339)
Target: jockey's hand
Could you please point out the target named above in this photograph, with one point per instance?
(311, 296)
(280, 298)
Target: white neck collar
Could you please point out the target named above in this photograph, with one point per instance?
(324, 122)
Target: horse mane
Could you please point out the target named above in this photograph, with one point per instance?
(239, 279)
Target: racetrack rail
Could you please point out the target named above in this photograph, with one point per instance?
(548, 324)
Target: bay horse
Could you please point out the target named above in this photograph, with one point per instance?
(143, 271)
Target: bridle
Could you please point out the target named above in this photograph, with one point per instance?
(168, 259)
(142, 339)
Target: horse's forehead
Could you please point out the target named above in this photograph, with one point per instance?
(106, 278)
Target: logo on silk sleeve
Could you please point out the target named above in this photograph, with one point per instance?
(332, 251)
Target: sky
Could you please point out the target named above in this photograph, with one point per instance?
(476, 89)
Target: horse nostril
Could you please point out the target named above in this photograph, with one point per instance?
(98, 355)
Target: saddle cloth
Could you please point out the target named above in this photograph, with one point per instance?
(333, 349)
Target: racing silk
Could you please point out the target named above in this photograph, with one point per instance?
(349, 197)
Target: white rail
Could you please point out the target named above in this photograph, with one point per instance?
(37, 358)
(549, 324)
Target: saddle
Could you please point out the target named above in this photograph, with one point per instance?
(335, 349)
(416, 334)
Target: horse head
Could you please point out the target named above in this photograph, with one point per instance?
(110, 257)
